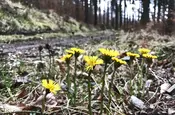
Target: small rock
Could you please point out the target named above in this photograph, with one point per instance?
(10, 108)
(152, 106)
(171, 111)
(169, 97)
(137, 102)
(164, 87)
(80, 73)
(151, 93)
(172, 80)
(171, 89)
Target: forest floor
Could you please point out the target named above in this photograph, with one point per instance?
(32, 43)
(21, 89)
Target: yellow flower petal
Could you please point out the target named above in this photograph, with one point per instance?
(44, 83)
(70, 51)
(57, 87)
(66, 57)
(132, 54)
(77, 50)
(144, 50)
(51, 82)
(149, 56)
(118, 60)
(91, 61)
(99, 61)
(108, 52)
(51, 85)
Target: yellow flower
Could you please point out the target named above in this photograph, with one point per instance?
(144, 50)
(78, 50)
(91, 61)
(66, 58)
(132, 54)
(51, 85)
(70, 52)
(119, 61)
(75, 51)
(149, 56)
(108, 52)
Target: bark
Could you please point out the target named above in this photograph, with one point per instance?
(116, 15)
(145, 14)
(95, 12)
(120, 5)
(86, 11)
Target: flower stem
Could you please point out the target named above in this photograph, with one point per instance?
(102, 90)
(44, 101)
(68, 81)
(50, 64)
(89, 90)
(74, 79)
(40, 56)
(110, 86)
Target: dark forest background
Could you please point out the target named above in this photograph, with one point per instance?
(162, 18)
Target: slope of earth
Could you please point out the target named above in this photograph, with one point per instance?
(23, 59)
(21, 22)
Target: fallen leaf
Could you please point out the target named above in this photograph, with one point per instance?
(164, 87)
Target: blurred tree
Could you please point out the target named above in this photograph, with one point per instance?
(91, 12)
(116, 15)
(154, 13)
(112, 11)
(124, 16)
(77, 9)
(159, 10)
(99, 16)
(120, 6)
(171, 17)
(107, 15)
(145, 13)
(95, 11)
(86, 11)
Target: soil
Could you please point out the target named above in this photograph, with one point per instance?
(28, 45)
(157, 104)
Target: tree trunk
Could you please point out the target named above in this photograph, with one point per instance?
(91, 12)
(107, 20)
(104, 17)
(145, 13)
(154, 15)
(171, 16)
(86, 11)
(124, 16)
(116, 15)
(159, 9)
(120, 5)
(77, 9)
(112, 10)
(95, 12)
(99, 16)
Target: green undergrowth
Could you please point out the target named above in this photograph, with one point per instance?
(129, 79)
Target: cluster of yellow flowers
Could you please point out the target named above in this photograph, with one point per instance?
(130, 54)
(145, 53)
(92, 61)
